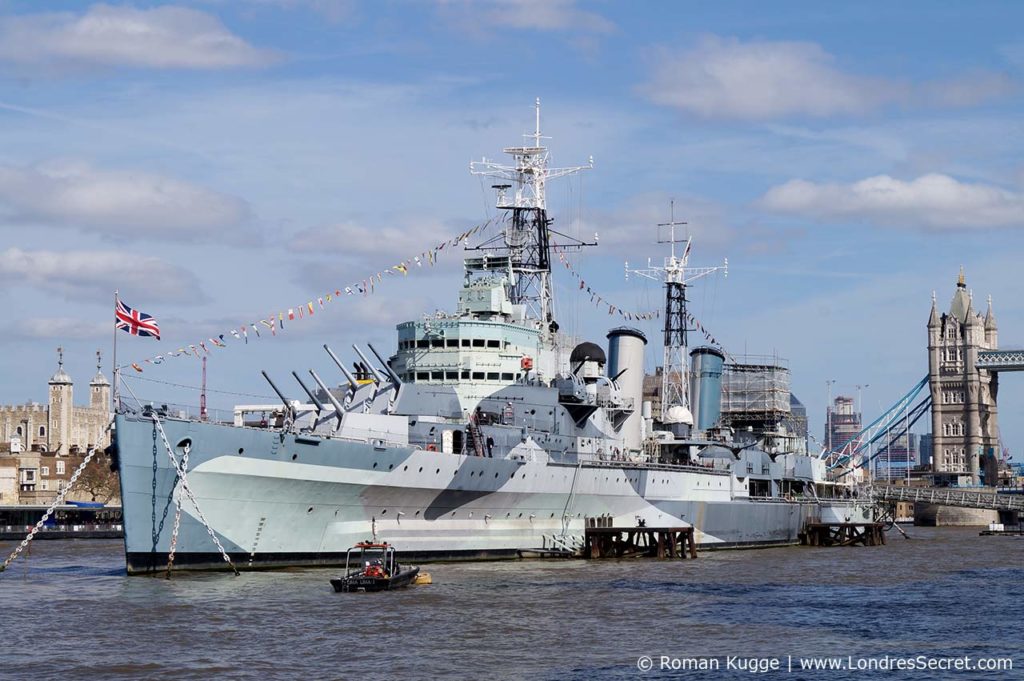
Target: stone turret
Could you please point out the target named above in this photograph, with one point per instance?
(99, 387)
(61, 408)
(991, 337)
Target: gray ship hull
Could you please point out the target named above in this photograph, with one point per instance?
(278, 499)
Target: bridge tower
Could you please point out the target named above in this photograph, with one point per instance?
(965, 430)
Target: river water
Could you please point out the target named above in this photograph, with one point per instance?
(69, 612)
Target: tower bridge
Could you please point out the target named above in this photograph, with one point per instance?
(1001, 360)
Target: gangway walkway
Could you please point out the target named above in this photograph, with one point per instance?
(949, 496)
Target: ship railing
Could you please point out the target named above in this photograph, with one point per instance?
(623, 403)
(82, 527)
(184, 412)
(646, 465)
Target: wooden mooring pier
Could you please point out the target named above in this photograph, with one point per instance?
(843, 534)
(601, 540)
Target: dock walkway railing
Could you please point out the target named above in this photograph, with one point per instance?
(949, 496)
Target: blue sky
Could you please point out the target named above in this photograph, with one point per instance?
(221, 161)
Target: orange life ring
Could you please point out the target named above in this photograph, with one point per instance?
(431, 448)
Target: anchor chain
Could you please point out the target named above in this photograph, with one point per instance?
(177, 515)
(187, 488)
(46, 516)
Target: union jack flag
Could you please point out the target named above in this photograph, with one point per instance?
(134, 322)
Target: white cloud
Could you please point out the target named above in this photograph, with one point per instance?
(63, 328)
(757, 80)
(354, 239)
(723, 77)
(94, 275)
(164, 37)
(116, 203)
(536, 15)
(933, 201)
(968, 89)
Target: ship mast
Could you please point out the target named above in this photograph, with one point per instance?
(675, 384)
(527, 235)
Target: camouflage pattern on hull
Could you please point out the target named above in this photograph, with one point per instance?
(279, 499)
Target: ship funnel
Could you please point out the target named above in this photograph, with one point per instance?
(706, 386)
(626, 360)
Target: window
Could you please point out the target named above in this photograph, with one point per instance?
(44, 471)
(452, 343)
(493, 344)
(19, 430)
(465, 342)
(478, 375)
(42, 431)
(507, 377)
(451, 375)
(478, 342)
(422, 376)
(44, 485)
(436, 375)
(437, 342)
(492, 376)
(465, 375)
(424, 343)
(60, 468)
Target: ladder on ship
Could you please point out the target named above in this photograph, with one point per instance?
(476, 436)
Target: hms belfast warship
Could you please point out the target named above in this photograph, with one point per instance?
(488, 434)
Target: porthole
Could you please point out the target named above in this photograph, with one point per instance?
(495, 476)
(405, 468)
(421, 469)
(552, 515)
(294, 456)
(390, 466)
(309, 510)
(438, 470)
(374, 464)
(241, 451)
(384, 512)
(417, 513)
(520, 515)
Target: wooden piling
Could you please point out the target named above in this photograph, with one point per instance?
(843, 534)
(600, 540)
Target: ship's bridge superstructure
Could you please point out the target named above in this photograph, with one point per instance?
(484, 346)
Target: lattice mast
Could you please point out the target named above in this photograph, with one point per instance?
(527, 235)
(675, 384)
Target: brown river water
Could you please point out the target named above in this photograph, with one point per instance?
(69, 612)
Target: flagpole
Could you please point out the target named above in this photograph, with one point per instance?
(116, 393)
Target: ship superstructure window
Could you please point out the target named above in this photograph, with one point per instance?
(494, 344)
(465, 375)
(422, 376)
(466, 342)
(423, 343)
(478, 343)
(492, 376)
(507, 377)
(452, 343)
(437, 342)
(451, 375)
(478, 375)
(436, 375)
